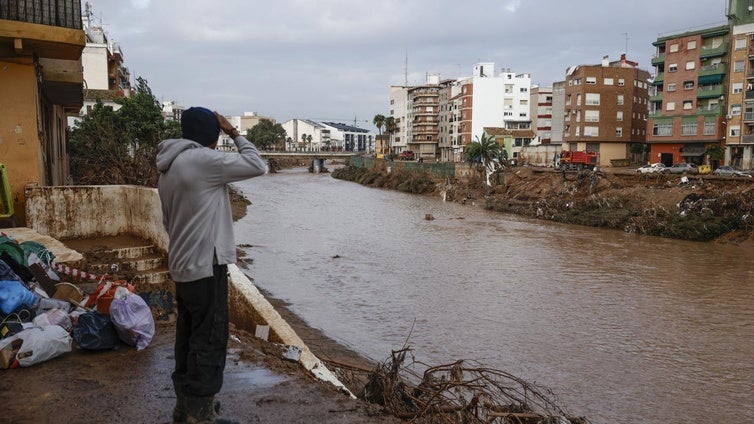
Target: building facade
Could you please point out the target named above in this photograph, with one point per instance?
(399, 112)
(41, 82)
(558, 112)
(423, 135)
(687, 113)
(541, 113)
(739, 128)
(606, 108)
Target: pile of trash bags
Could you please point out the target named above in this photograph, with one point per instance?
(41, 317)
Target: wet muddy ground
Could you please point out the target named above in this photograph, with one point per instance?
(126, 386)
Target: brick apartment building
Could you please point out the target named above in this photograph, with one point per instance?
(606, 108)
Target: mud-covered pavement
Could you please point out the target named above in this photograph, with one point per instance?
(126, 386)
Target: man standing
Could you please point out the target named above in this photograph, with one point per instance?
(197, 216)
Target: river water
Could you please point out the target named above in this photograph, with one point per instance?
(623, 328)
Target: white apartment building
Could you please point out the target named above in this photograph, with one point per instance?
(558, 112)
(303, 134)
(349, 137)
(399, 111)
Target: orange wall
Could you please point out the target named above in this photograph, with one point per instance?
(19, 140)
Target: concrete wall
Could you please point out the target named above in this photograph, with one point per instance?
(461, 171)
(92, 211)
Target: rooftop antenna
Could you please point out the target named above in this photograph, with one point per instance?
(627, 38)
(405, 71)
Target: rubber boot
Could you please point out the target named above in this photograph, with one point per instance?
(203, 410)
(179, 411)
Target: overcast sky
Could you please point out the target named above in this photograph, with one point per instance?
(335, 60)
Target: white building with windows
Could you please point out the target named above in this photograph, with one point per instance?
(304, 134)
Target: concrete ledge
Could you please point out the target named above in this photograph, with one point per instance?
(249, 308)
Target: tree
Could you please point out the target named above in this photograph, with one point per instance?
(379, 122)
(309, 140)
(483, 151)
(391, 127)
(265, 134)
(119, 147)
(716, 153)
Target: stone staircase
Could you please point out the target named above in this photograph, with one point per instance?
(125, 258)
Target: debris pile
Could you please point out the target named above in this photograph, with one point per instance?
(459, 392)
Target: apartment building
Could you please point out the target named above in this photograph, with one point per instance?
(606, 108)
(449, 138)
(687, 112)
(558, 112)
(490, 100)
(41, 84)
(423, 116)
(540, 111)
(739, 128)
(398, 141)
(106, 78)
(304, 134)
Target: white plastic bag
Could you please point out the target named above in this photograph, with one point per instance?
(54, 317)
(133, 320)
(40, 344)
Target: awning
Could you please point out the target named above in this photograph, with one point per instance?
(694, 150)
(710, 79)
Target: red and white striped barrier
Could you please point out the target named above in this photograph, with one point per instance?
(73, 272)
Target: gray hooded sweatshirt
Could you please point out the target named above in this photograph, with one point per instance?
(195, 204)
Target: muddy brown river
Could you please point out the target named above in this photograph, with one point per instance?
(623, 328)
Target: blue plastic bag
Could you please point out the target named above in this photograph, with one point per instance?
(95, 331)
(13, 295)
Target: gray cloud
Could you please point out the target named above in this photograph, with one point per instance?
(335, 59)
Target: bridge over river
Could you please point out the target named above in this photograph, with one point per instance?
(318, 158)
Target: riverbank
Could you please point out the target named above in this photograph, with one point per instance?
(703, 208)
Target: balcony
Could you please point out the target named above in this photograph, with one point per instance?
(748, 138)
(710, 91)
(709, 51)
(659, 79)
(708, 110)
(49, 29)
(656, 98)
(658, 59)
(717, 69)
(748, 116)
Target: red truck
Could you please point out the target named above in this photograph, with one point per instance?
(578, 160)
(406, 155)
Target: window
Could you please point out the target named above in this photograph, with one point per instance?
(662, 129)
(621, 82)
(619, 115)
(618, 132)
(578, 131)
(735, 109)
(591, 80)
(593, 99)
(620, 99)
(688, 104)
(709, 128)
(690, 64)
(688, 85)
(578, 99)
(578, 116)
(691, 45)
(735, 131)
(524, 90)
(738, 87)
(591, 116)
(740, 43)
(688, 128)
(523, 102)
(609, 81)
(738, 66)
(673, 48)
(672, 67)
(670, 106)
(591, 131)
(577, 81)
(671, 86)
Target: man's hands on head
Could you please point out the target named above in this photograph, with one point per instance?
(226, 126)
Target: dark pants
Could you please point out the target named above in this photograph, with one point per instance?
(201, 334)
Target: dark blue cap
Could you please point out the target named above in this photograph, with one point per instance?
(200, 124)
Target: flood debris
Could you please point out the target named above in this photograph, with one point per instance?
(459, 392)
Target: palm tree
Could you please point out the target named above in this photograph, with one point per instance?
(390, 128)
(379, 122)
(303, 141)
(309, 140)
(483, 151)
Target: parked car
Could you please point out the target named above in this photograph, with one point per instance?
(682, 168)
(730, 171)
(406, 155)
(651, 169)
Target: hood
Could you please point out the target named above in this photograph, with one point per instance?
(168, 150)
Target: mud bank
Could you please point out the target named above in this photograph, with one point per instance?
(703, 208)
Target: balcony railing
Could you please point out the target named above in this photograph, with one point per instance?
(658, 59)
(748, 138)
(709, 91)
(749, 116)
(60, 13)
(709, 51)
(716, 69)
(708, 110)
